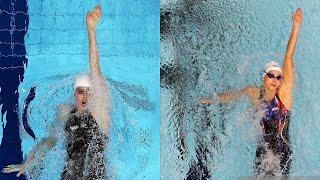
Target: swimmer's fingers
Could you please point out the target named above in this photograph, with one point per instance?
(206, 101)
(96, 13)
(12, 165)
(96, 18)
(93, 17)
(299, 12)
(297, 17)
(20, 172)
(88, 17)
(98, 10)
(10, 169)
(13, 168)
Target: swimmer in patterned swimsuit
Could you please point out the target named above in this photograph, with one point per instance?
(86, 124)
(275, 127)
(274, 99)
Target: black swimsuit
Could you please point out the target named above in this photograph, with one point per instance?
(275, 126)
(85, 147)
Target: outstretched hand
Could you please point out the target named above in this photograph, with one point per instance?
(20, 168)
(297, 17)
(93, 17)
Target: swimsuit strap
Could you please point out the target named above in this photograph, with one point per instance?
(284, 110)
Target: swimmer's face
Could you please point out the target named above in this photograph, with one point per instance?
(272, 80)
(82, 95)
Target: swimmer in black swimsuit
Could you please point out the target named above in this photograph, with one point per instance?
(86, 124)
(274, 99)
(85, 147)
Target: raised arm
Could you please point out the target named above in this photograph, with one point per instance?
(92, 18)
(99, 93)
(286, 89)
(250, 92)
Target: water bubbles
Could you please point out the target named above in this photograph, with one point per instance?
(215, 46)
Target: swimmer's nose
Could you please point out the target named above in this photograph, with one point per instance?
(85, 95)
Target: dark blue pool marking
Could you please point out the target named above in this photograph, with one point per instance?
(31, 96)
(14, 20)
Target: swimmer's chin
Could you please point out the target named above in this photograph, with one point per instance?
(82, 107)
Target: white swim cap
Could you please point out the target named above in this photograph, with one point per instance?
(271, 66)
(83, 81)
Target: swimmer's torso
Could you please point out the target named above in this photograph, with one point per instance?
(275, 122)
(85, 146)
(275, 126)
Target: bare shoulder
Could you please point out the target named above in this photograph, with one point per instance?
(62, 111)
(253, 92)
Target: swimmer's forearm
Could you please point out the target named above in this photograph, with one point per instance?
(229, 96)
(297, 19)
(41, 149)
(288, 65)
(292, 42)
(93, 53)
(226, 97)
(249, 92)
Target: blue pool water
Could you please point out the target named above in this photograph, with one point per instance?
(57, 50)
(211, 46)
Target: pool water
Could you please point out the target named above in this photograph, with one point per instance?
(57, 51)
(211, 46)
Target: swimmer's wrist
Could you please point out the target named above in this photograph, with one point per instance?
(91, 30)
(296, 27)
(30, 159)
